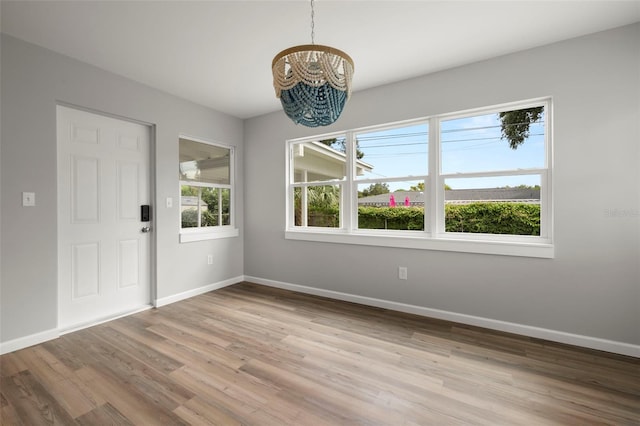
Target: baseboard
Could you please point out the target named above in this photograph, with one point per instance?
(37, 338)
(30, 340)
(525, 330)
(197, 291)
(81, 326)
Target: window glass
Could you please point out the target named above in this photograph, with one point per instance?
(391, 205)
(317, 206)
(395, 152)
(225, 206)
(480, 143)
(203, 162)
(205, 172)
(189, 206)
(495, 205)
(210, 207)
(318, 161)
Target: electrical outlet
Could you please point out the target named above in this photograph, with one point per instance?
(210, 259)
(402, 272)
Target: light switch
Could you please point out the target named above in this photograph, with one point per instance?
(169, 202)
(28, 199)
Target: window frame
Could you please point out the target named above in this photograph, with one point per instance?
(433, 237)
(200, 233)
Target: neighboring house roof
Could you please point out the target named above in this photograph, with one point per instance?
(190, 200)
(415, 198)
(498, 194)
(321, 162)
(458, 196)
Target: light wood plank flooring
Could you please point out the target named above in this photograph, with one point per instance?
(254, 355)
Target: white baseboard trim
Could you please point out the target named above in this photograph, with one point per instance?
(41, 337)
(197, 291)
(525, 330)
(30, 340)
(98, 321)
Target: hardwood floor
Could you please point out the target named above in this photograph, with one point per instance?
(254, 355)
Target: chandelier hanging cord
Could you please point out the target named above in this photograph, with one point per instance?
(313, 24)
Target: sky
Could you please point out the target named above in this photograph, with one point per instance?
(471, 144)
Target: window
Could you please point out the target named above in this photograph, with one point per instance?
(475, 181)
(206, 190)
(397, 159)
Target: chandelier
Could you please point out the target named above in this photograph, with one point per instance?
(312, 81)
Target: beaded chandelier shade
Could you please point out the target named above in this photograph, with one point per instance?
(312, 81)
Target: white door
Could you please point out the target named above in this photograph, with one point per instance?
(103, 250)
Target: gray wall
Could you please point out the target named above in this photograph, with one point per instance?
(591, 287)
(33, 80)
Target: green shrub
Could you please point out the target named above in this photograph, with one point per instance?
(189, 218)
(407, 218)
(493, 218)
(209, 218)
(327, 217)
(489, 218)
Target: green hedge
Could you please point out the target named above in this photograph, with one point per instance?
(411, 218)
(493, 218)
(190, 218)
(489, 218)
(326, 218)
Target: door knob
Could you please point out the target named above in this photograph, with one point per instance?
(146, 229)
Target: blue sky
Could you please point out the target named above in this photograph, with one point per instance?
(470, 144)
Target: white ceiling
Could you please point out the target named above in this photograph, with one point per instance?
(218, 53)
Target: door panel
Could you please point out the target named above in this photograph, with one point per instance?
(103, 256)
(85, 265)
(128, 262)
(85, 199)
(128, 197)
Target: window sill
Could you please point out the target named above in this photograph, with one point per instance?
(192, 235)
(456, 243)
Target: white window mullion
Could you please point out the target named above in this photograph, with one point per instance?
(232, 208)
(199, 210)
(515, 172)
(219, 191)
(232, 183)
(546, 199)
(290, 190)
(434, 210)
(304, 210)
(348, 191)
(546, 205)
(304, 199)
